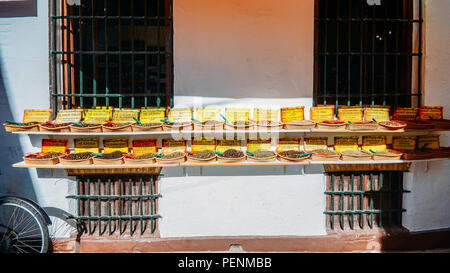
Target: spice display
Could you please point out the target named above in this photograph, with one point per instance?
(232, 153)
(54, 145)
(322, 113)
(291, 114)
(85, 125)
(324, 152)
(44, 155)
(54, 125)
(378, 114)
(292, 154)
(173, 155)
(78, 156)
(39, 116)
(263, 153)
(144, 156)
(148, 124)
(268, 123)
(353, 153)
(393, 125)
(117, 125)
(69, 116)
(113, 155)
(204, 154)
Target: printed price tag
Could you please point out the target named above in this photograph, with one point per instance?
(379, 114)
(404, 143)
(66, 116)
(125, 116)
(346, 144)
(209, 113)
(374, 143)
(237, 114)
(96, 116)
(172, 146)
(223, 145)
(180, 115)
(152, 115)
(203, 145)
(316, 143)
(87, 145)
(144, 146)
(31, 115)
(255, 145)
(431, 112)
(320, 114)
(408, 114)
(112, 145)
(432, 142)
(292, 113)
(351, 114)
(54, 145)
(265, 115)
(287, 144)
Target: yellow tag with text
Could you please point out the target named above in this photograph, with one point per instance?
(152, 115)
(112, 145)
(96, 116)
(209, 113)
(404, 143)
(144, 146)
(203, 145)
(351, 114)
(66, 116)
(54, 145)
(265, 115)
(378, 114)
(32, 115)
(180, 115)
(255, 145)
(315, 143)
(287, 144)
(87, 145)
(320, 114)
(237, 114)
(346, 144)
(223, 145)
(172, 146)
(431, 142)
(374, 143)
(125, 116)
(292, 113)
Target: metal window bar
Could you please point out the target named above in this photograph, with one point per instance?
(364, 54)
(111, 53)
(364, 197)
(116, 204)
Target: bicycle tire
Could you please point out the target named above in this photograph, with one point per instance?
(35, 214)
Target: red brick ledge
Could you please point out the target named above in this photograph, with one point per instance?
(354, 241)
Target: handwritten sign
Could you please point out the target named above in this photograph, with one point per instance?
(223, 145)
(54, 145)
(379, 114)
(408, 114)
(66, 116)
(351, 114)
(431, 112)
(96, 116)
(237, 114)
(172, 146)
(203, 145)
(346, 144)
(87, 145)
(32, 115)
(255, 145)
(287, 144)
(404, 143)
(152, 115)
(209, 113)
(320, 114)
(431, 142)
(180, 115)
(144, 146)
(125, 116)
(374, 143)
(112, 145)
(265, 115)
(316, 143)
(292, 113)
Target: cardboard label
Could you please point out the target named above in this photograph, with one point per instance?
(292, 113)
(96, 116)
(31, 115)
(87, 145)
(374, 143)
(180, 114)
(316, 143)
(379, 114)
(237, 114)
(404, 143)
(66, 116)
(255, 145)
(152, 115)
(203, 145)
(144, 146)
(432, 142)
(125, 116)
(408, 114)
(172, 146)
(223, 145)
(209, 113)
(287, 144)
(265, 115)
(351, 114)
(320, 114)
(54, 145)
(112, 145)
(431, 112)
(346, 144)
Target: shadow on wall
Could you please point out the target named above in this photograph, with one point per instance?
(15, 8)
(13, 181)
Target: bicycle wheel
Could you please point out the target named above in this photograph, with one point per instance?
(22, 229)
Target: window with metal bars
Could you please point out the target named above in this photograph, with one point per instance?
(368, 54)
(116, 204)
(364, 199)
(111, 53)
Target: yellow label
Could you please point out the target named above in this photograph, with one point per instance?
(431, 112)
(374, 143)
(265, 115)
(87, 145)
(287, 144)
(292, 113)
(54, 145)
(203, 145)
(346, 144)
(144, 146)
(65, 116)
(112, 145)
(404, 143)
(31, 115)
(125, 116)
(152, 115)
(255, 145)
(237, 114)
(223, 145)
(432, 142)
(351, 114)
(316, 143)
(96, 116)
(320, 114)
(180, 114)
(110, 110)
(172, 146)
(208, 113)
(406, 114)
(379, 114)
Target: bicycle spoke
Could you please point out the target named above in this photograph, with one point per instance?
(29, 246)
